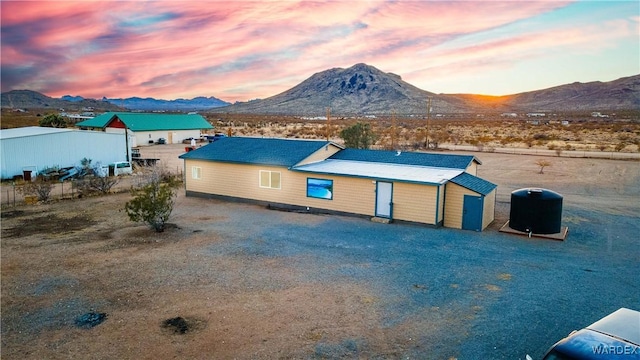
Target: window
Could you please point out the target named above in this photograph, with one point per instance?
(320, 188)
(270, 179)
(196, 172)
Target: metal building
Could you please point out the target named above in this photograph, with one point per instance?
(36, 148)
(150, 128)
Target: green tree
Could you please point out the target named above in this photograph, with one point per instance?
(359, 136)
(53, 120)
(153, 203)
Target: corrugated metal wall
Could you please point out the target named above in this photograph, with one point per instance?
(61, 149)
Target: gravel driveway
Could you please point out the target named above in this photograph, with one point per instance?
(455, 293)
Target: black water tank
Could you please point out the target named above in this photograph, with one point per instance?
(536, 210)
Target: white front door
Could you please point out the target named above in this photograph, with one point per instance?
(384, 199)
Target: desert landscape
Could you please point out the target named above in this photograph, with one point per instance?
(229, 280)
(278, 249)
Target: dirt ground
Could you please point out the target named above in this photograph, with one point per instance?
(65, 259)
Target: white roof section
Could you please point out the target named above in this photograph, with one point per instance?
(623, 323)
(30, 131)
(398, 172)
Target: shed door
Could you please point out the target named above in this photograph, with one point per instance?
(384, 191)
(472, 213)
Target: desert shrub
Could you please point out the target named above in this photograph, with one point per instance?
(53, 120)
(359, 136)
(98, 184)
(543, 163)
(40, 188)
(153, 202)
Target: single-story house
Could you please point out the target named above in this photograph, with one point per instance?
(424, 188)
(33, 149)
(147, 128)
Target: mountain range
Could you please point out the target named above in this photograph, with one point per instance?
(362, 90)
(150, 104)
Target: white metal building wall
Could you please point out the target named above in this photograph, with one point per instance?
(176, 137)
(62, 149)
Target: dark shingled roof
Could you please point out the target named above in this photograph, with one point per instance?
(448, 161)
(263, 151)
(474, 183)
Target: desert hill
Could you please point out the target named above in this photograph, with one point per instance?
(363, 89)
(27, 99)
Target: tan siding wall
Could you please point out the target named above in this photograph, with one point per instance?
(413, 202)
(352, 195)
(441, 199)
(454, 204)
(320, 155)
(472, 168)
(488, 213)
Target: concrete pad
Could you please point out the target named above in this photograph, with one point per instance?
(381, 220)
(562, 235)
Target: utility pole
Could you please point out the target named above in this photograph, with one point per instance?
(126, 142)
(393, 130)
(328, 132)
(428, 121)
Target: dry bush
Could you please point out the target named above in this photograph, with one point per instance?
(40, 188)
(95, 184)
(543, 163)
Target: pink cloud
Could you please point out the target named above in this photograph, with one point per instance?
(244, 50)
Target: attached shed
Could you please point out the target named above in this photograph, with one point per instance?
(320, 175)
(36, 148)
(470, 202)
(147, 128)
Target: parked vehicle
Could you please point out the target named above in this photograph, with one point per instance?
(215, 137)
(120, 168)
(615, 336)
(188, 140)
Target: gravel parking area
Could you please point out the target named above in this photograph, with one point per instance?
(253, 283)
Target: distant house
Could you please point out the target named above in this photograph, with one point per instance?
(424, 188)
(148, 128)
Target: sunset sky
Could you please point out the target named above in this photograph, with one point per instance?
(243, 50)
